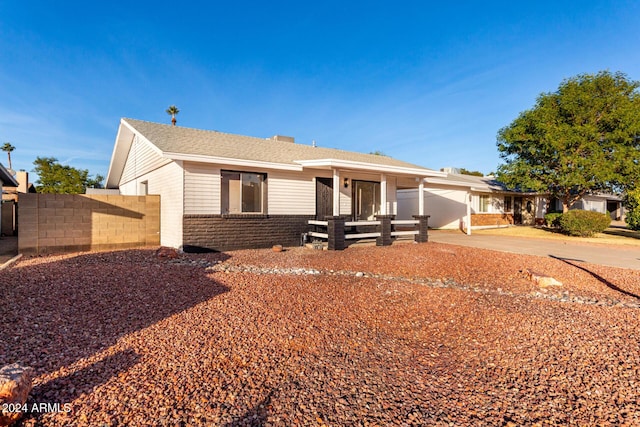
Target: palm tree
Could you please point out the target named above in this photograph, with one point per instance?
(173, 110)
(8, 148)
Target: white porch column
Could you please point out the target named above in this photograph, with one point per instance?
(336, 192)
(383, 194)
(421, 197)
(468, 218)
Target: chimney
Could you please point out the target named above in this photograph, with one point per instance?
(23, 181)
(450, 170)
(283, 138)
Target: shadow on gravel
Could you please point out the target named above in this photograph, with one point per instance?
(256, 416)
(63, 390)
(55, 313)
(607, 283)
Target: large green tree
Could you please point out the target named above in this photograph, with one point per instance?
(584, 137)
(464, 171)
(62, 179)
(632, 206)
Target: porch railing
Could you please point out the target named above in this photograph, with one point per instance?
(387, 229)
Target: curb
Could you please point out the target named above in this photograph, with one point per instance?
(11, 261)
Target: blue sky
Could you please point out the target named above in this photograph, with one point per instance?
(426, 82)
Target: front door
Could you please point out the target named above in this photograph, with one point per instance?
(612, 209)
(517, 210)
(366, 200)
(324, 198)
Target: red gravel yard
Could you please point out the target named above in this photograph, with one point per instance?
(427, 334)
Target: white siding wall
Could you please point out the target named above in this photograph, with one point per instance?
(288, 193)
(407, 204)
(346, 195)
(166, 181)
(446, 206)
(142, 159)
(129, 189)
(291, 193)
(201, 188)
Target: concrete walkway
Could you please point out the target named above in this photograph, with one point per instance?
(614, 256)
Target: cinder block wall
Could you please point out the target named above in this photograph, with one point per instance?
(54, 223)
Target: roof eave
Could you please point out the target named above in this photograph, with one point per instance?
(10, 181)
(231, 161)
(121, 148)
(354, 165)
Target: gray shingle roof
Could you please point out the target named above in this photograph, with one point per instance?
(7, 177)
(479, 183)
(488, 182)
(189, 141)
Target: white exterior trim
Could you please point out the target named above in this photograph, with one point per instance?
(230, 161)
(352, 165)
(383, 194)
(336, 192)
(468, 214)
(421, 199)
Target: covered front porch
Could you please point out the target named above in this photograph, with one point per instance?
(359, 201)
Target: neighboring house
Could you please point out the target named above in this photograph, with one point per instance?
(609, 204)
(6, 212)
(21, 184)
(457, 201)
(221, 191)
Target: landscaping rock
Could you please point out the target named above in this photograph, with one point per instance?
(15, 385)
(428, 334)
(543, 280)
(167, 253)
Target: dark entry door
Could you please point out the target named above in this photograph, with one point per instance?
(612, 209)
(517, 210)
(324, 197)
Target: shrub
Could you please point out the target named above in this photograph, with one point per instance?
(632, 205)
(583, 223)
(552, 219)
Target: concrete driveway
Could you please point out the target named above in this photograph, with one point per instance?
(610, 255)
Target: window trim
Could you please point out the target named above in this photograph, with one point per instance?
(263, 189)
(143, 188)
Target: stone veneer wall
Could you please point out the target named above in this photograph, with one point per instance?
(53, 223)
(491, 219)
(231, 232)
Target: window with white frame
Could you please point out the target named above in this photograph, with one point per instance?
(242, 192)
(483, 203)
